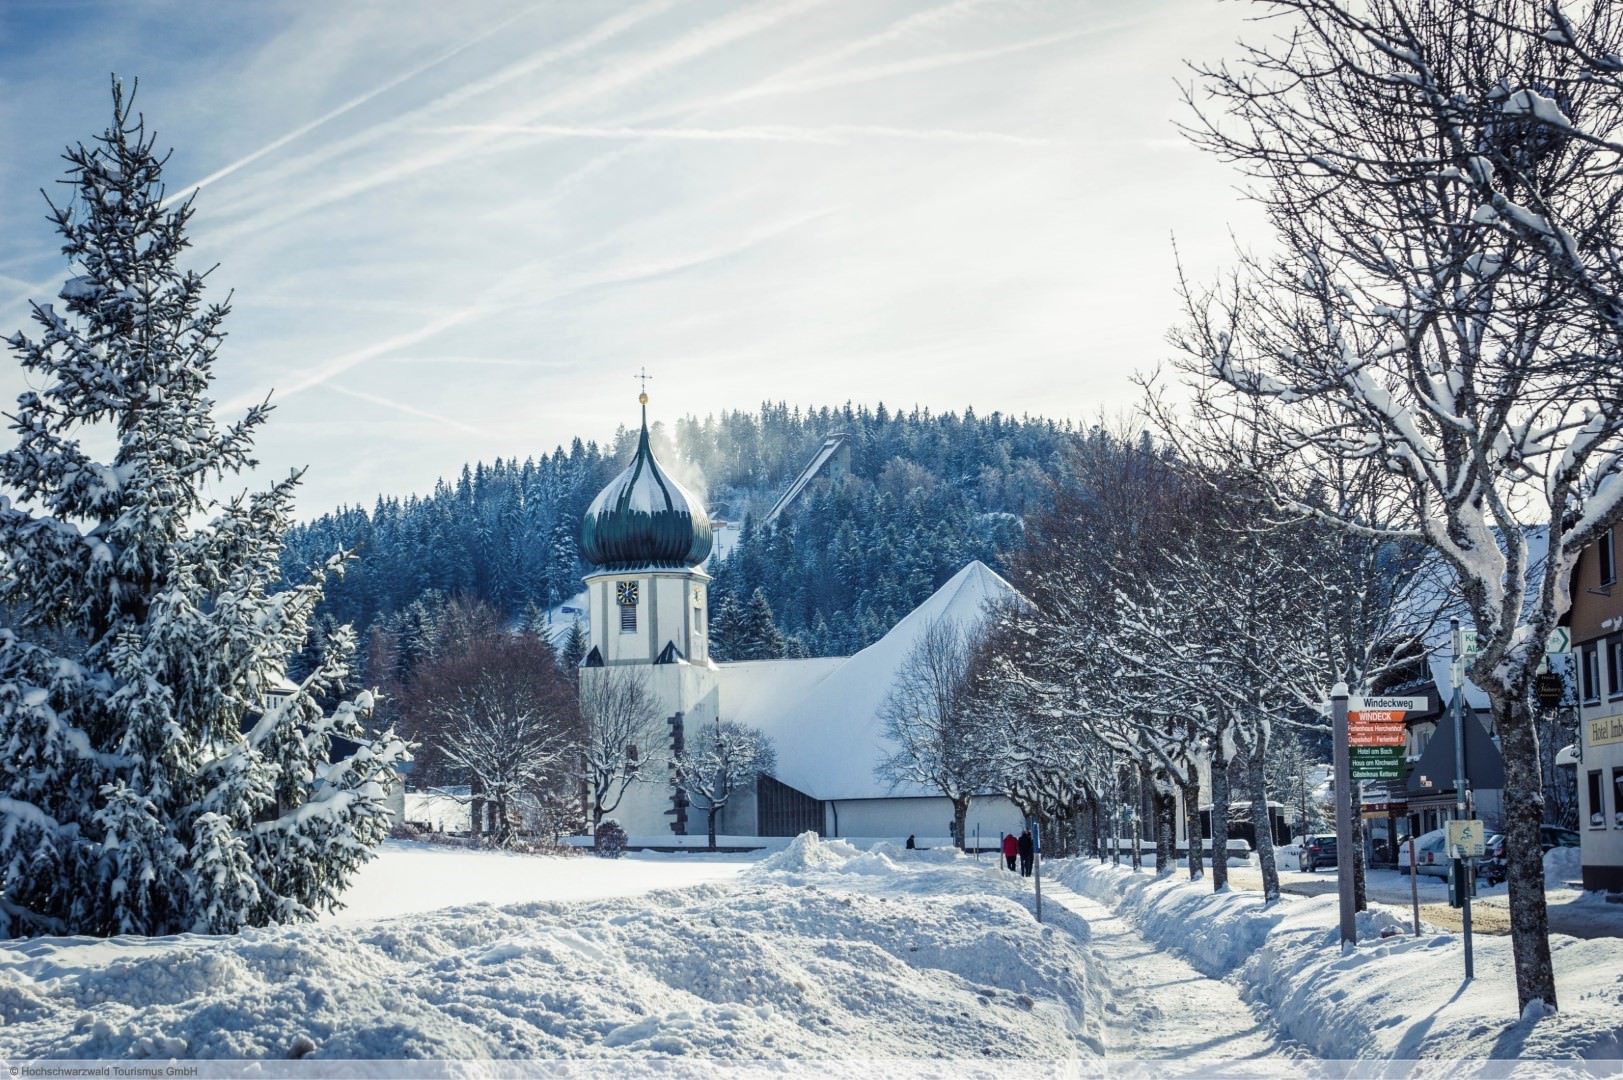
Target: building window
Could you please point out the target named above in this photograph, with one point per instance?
(1590, 659)
(698, 620)
(1614, 664)
(1608, 559)
(628, 618)
(1597, 812)
(1617, 797)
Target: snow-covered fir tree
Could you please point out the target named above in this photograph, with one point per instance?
(152, 780)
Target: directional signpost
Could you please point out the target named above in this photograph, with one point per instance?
(1376, 736)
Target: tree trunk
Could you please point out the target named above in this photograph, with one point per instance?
(1220, 818)
(1166, 824)
(1191, 818)
(1258, 778)
(1138, 817)
(960, 814)
(476, 811)
(711, 825)
(1524, 853)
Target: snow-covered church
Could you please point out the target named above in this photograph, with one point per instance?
(647, 538)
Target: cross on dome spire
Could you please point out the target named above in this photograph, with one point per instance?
(643, 377)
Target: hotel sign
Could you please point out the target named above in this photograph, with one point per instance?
(1603, 730)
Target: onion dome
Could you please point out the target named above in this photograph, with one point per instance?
(644, 518)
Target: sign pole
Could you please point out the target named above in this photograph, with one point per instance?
(1461, 880)
(1344, 829)
(1414, 886)
(1037, 864)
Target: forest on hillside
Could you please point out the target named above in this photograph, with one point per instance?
(927, 492)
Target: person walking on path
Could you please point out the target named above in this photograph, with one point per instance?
(1025, 853)
(1011, 848)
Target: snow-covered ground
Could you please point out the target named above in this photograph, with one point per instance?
(842, 960)
(411, 877)
(819, 951)
(1395, 995)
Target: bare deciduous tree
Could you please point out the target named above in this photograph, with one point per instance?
(718, 760)
(621, 721)
(926, 714)
(1444, 181)
(500, 714)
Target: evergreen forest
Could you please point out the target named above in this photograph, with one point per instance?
(925, 494)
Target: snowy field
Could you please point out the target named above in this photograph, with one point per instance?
(408, 877)
(838, 959)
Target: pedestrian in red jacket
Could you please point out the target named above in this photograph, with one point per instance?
(1011, 849)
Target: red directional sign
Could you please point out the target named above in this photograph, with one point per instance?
(1376, 727)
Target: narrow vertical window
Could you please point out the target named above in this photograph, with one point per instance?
(1608, 558)
(1617, 797)
(625, 594)
(1597, 812)
(1590, 659)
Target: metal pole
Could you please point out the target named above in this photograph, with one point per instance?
(1460, 811)
(1037, 864)
(1414, 886)
(1344, 829)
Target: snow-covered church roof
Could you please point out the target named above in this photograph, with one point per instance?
(823, 715)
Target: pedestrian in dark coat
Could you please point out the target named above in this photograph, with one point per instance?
(1025, 853)
(1011, 848)
(910, 842)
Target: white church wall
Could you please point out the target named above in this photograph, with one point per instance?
(927, 816)
(691, 690)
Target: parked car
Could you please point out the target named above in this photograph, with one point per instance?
(1430, 853)
(1493, 859)
(1313, 852)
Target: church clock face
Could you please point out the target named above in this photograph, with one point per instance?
(625, 593)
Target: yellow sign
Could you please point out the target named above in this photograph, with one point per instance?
(1467, 839)
(1603, 730)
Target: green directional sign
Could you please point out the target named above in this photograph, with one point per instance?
(1376, 762)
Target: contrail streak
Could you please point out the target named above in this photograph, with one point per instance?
(827, 135)
(333, 114)
(401, 406)
(744, 23)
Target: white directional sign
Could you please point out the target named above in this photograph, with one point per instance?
(1560, 641)
(1386, 704)
(1467, 839)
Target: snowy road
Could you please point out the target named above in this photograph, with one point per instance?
(1155, 1004)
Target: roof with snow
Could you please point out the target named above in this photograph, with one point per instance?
(823, 716)
(645, 518)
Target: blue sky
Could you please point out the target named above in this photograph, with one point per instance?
(455, 232)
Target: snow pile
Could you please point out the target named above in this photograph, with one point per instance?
(807, 852)
(1396, 996)
(932, 961)
(1561, 866)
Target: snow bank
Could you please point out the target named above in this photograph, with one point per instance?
(1394, 996)
(819, 960)
(1562, 865)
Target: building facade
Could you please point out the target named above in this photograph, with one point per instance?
(1597, 642)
